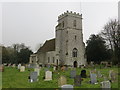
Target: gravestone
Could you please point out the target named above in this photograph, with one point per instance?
(62, 81)
(48, 75)
(33, 76)
(19, 65)
(73, 73)
(67, 87)
(63, 68)
(83, 74)
(112, 75)
(13, 65)
(54, 68)
(1, 68)
(77, 80)
(106, 85)
(99, 75)
(37, 70)
(93, 78)
(22, 68)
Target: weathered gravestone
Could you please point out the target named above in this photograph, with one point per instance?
(83, 74)
(106, 85)
(62, 81)
(33, 76)
(99, 75)
(37, 70)
(73, 73)
(19, 65)
(22, 68)
(1, 68)
(54, 68)
(93, 78)
(112, 76)
(48, 75)
(67, 87)
(77, 80)
(13, 65)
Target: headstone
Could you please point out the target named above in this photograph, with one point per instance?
(48, 75)
(54, 68)
(93, 78)
(62, 81)
(63, 68)
(33, 76)
(73, 73)
(99, 75)
(112, 75)
(19, 65)
(83, 74)
(13, 65)
(77, 80)
(106, 85)
(1, 68)
(37, 70)
(67, 87)
(22, 68)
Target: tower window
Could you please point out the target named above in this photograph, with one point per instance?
(48, 59)
(74, 52)
(74, 23)
(53, 60)
(63, 24)
(75, 37)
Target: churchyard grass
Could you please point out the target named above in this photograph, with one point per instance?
(12, 78)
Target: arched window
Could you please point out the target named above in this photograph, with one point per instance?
(74, 52)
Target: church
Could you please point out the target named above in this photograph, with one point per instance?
(67, 48)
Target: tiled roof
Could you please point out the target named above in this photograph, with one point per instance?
(49, 45)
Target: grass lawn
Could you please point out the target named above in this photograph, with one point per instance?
(12, 78)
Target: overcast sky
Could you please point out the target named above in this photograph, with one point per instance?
(34, 22)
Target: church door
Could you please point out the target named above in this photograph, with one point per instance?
(75, 64)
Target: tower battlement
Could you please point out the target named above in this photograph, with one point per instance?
(70, 13)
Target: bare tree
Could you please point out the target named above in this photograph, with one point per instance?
(111, 33)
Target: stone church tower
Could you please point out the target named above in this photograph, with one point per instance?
(67, 48)
(69, 45)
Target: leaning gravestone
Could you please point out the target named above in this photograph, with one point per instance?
(22, 68)
(67, 87)
(106, 85)
(62, 81)
(73, 73)
(33, 76)
(77, 80)
(83, 74)
(93, 78)
(48, 75)
(54, 68)
(37, 70)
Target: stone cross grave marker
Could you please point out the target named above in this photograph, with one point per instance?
(67, 87)
(93, 78)
(73, 73)
(106, 85)
(77, 80)
(37, 70)
(62, 81)
(48, 75)
(22, 68)
(33, 76)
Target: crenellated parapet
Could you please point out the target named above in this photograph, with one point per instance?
(70, 13)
